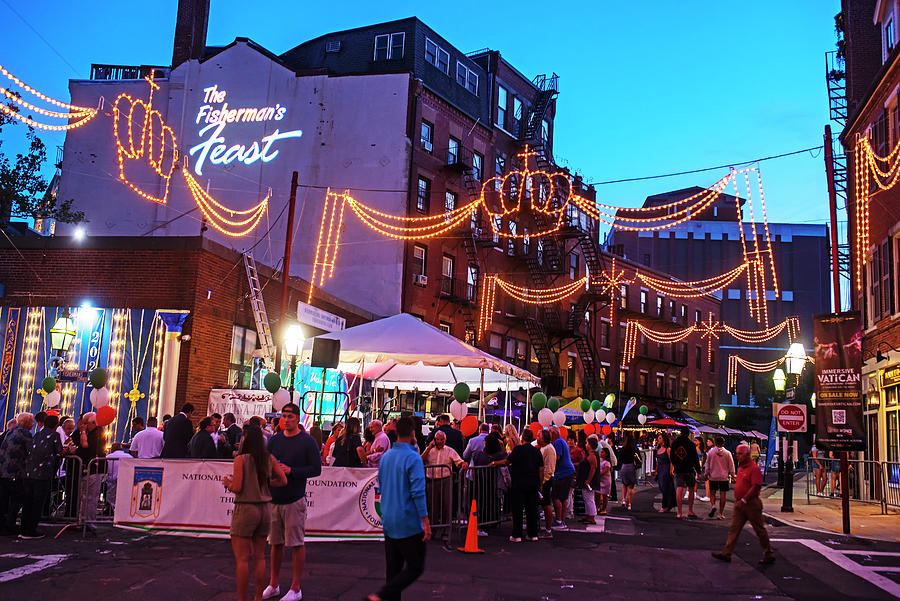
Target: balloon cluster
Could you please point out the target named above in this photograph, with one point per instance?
(549, 413)
(280, 396)
(642, 416)
(99, 396)
(459, 407)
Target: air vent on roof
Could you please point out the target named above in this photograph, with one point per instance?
(333, 46)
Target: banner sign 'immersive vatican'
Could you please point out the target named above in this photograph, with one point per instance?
(186, 497)
(839, 401)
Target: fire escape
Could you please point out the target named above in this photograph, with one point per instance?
(462, 291)
(835, 79)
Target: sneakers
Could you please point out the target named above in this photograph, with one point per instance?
(721, 516)
(531, 539)
(722, 557)
(545, 534)
(515, 539)
(560, 526)
(31, 535)
(704, 499)
(482, 533)
(712, 513)
(271, 591)
(293, 596)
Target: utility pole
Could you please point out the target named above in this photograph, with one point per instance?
(286, 274)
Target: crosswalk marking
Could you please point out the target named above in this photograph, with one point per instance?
(42, 563)
(840, 559)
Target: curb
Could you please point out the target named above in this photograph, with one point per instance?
(785, 523)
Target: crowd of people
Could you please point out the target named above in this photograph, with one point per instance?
(426, 480)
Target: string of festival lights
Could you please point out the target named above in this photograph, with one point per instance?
(80, 114)
(735, 361)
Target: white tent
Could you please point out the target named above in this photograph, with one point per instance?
(403, 351)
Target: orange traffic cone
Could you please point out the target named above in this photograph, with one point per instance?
(472, 532)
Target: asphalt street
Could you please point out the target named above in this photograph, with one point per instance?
(632, 555)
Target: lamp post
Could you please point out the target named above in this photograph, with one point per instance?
(62, 334)
(795, 361)
(293, 340)
(779, 380)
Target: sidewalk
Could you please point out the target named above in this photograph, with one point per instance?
(824, 515)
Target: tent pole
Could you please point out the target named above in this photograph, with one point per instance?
(506, 410)
(481, 411)
(527, 403)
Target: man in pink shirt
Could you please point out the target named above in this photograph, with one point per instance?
(380, 445)
(747, 507)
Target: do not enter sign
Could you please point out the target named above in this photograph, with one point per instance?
(790, 417)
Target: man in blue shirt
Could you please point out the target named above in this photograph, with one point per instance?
(563, 478)
(404, 514)
(298, 454)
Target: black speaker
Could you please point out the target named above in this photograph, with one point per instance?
(325, 353)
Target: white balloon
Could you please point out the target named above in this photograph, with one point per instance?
(52, 399)
(642, 418)
(281, 398)
(458, 410)
(610, 417)
(99, 397)
(589, 416)
(559, 418)
(545, 417)
(600, 415)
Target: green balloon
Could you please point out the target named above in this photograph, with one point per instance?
(643, 409)
(272, 382)
(461, 392)
(585, 405)
(98, 378)
(595, 405)
(553, 404)
(49, 384)
(539, 401)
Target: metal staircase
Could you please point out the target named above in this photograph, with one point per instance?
(835, 80)
(264, 333)
(548, 90)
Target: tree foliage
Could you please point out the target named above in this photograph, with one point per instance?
(23, 187)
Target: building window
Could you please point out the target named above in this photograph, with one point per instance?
(712, 362)
(437, 56)
(624, 296)
(659, 306)
(684, 390)
(672, 311)
(660, 385)
(517, 116)
(502, 99)
(623, 379)
(499, 170)
(423, 194)
(570, 371)
(445, 327)
(240, 366)
(712, 396)
(683, 314)
(573, 266)
(420, 254)
(646, 259)
(389, 46)
(642, 382)
(698, 357)
(698, 316)
(471, 283)
(449, 201)
(645, 346)
(889, 37)
(453, 151)
(511, 241)
(672, 391)
(447, 273)
(495, 344)
(604, 334)
(477, 166)
(466, 78)
(683, 358)
(427, 136)
(643, 301)
(470, 335)
(698, 400)
(545, 130)
(882, 281)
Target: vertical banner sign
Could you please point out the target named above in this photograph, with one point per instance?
(839, 402)
(93, 353)
(9, 353)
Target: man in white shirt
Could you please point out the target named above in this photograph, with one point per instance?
(148, 443)
(381, 444)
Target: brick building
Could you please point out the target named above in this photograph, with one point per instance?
(142, 276)
(872, 115)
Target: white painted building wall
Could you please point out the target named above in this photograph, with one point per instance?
(353, 137)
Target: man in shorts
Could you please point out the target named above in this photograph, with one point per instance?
(686, 465)
(563, 478)
(548, 453)
(298, 454)
(719, 469)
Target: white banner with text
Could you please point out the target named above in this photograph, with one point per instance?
(175, 496)
(243, 403)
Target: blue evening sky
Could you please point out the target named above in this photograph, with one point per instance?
(645, 88)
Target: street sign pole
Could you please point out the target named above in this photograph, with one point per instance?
(787, 497)
(845, 491)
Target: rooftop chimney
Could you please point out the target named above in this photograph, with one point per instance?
(190, 30)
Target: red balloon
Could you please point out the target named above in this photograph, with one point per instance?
(469, 425)
(53, 412)
(563, 432)
(606, 429)
(588, 429)
(105, 415)
(536, 428)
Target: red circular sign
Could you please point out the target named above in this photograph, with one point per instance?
(790, 418)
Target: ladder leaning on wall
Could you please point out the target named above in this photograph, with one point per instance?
(266, 343)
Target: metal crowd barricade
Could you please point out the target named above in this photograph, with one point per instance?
(62, 505)
(868, 481)
(98, 492)
(439, 495)
(891, 471)
(486, 485)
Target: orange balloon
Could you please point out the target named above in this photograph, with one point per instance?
(563, 432)
(105, 415)
(469, 425)
(589, 429)
(607, 429)
(536, 428)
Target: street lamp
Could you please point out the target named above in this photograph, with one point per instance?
(779, 379)
(62, 334)
(795, 361)
(293, 340)
(722, 415)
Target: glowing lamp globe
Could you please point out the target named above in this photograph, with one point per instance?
(63, 333)
(779, 379)
(293, 340)
(812, 400)
(796, 358)
(721, 415)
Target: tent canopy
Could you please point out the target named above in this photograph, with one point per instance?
(406, 352)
